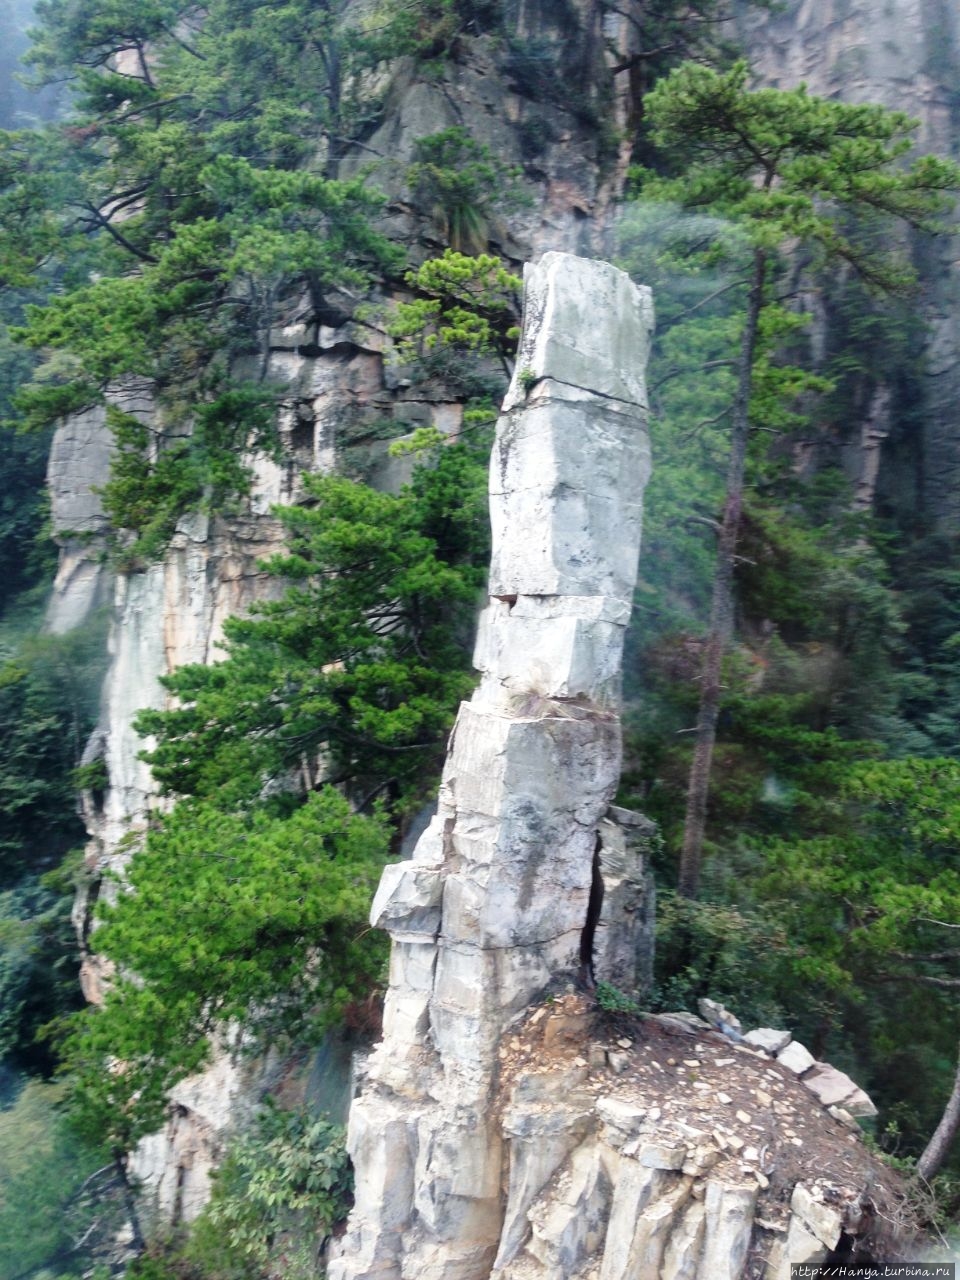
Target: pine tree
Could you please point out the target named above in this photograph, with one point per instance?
(788, 169)
(193, 190)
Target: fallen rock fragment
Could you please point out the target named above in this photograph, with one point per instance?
(822, 1220)
(682, 1022)
(767, 1039)
(721, 1018)
(796, 1058)
(658, 1155)
(833, 1088)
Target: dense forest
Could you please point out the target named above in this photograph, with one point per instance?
(184, 188)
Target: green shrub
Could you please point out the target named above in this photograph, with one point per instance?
(461, 184)
(283, 1186)
(43, 1205)
(706, 949)
(279, 1193)
(611, 999)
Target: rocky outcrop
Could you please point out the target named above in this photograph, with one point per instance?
(506, 1130)
(79, 462)
(639, 1147)
(492, 908)
(833, 1088)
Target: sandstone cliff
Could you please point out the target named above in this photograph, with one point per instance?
(339, 384)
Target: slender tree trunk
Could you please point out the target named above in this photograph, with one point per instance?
(945, 1133)
(129, 1200)
(721, 608)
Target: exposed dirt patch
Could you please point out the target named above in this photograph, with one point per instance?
(752, 1116)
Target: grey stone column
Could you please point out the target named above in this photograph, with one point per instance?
(491, 907)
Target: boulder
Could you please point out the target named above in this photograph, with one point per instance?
(719, 1017)
(796, 1058)
(767, 1039)
(822, 1220)
(833, 1088)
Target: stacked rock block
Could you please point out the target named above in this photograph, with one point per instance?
(492, 907)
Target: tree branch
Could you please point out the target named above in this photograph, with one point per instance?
(183, 44)
(699, 368)
(121, 239)
(717, 293)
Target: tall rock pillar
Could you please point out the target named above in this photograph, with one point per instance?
(494, 904)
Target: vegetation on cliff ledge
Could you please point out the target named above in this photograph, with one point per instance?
(203, 182)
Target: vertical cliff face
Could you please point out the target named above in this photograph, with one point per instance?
(162, 616)
(904, 54)
(549, 649)
(549, 107)
(338, 388)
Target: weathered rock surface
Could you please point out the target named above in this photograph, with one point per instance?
(720, 1017)
(796, 1057)
(622, 943)
(768, 1039)
(174, 1164)
(620, 1160)
(498, 889)
(498, 1134)
(833, 1088)
(717, 1163)
(164, 616)
(78, 463)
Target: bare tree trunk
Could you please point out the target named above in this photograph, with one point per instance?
(945, 1133)
(129, 1200)
(721, 608)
